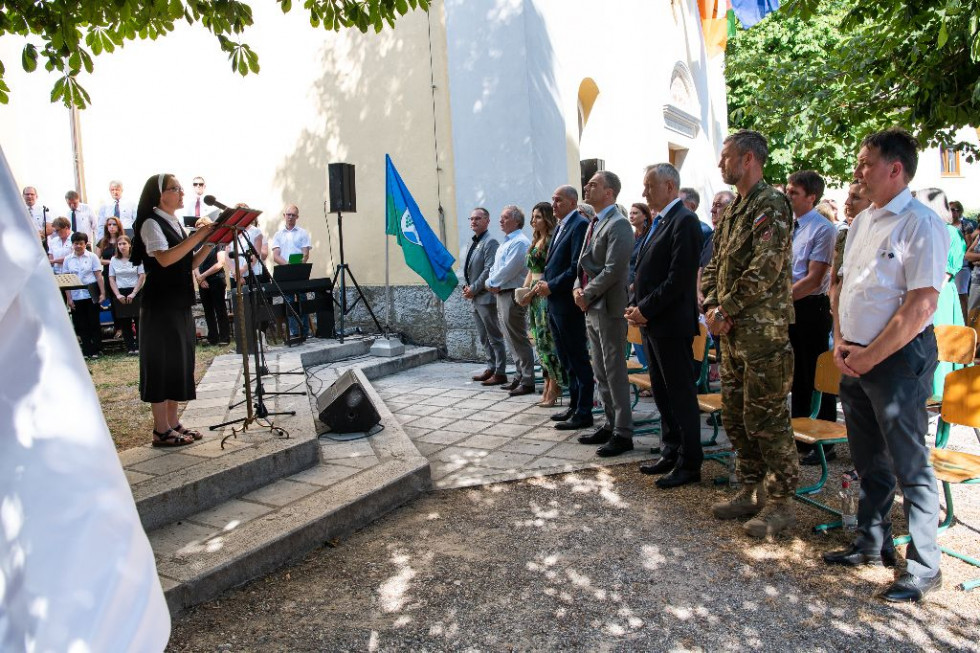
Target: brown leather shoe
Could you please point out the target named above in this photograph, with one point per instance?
(496, 379)
(483, 377)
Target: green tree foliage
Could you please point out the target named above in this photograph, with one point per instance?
(818, 75)
(69, 33)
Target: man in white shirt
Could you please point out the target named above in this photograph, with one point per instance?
(288, 241)
(195, 205)
(894, 267)
(84, 306)
(508, 273)
(80, 216)
(59, 243)
(116, 206)
(39, 213)
(813, 253)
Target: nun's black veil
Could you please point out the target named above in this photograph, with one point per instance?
(149, 199)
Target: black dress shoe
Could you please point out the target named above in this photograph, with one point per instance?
(910, 587)
(678, 477)
(563, 415)
(522, 390)
(511, 386)
(614, 447)
(599, 436)
(575, 422)
(812, 459)
(855, 557)
(662, 466)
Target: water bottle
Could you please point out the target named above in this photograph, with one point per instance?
(850, 493)
(732, 471)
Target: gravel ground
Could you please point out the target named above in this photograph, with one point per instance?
(589, 561)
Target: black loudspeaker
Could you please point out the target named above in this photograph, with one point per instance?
(345, 407)
(589, 167)
(343, 196)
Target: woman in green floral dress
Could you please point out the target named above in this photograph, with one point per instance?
(543, 226)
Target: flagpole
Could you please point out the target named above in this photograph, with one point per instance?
(388, 305)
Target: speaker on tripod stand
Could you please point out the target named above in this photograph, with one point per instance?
(343, 198)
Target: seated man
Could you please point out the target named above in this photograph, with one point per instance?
(84, 306)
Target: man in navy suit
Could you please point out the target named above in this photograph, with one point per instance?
(665, 307)
(566, 320)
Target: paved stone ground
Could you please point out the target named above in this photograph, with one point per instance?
(474, 435)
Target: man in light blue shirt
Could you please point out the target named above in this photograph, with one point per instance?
(508, 272)
(814, 238)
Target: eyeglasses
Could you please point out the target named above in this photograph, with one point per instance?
(198, 183)
(291, 215)
(175, 189)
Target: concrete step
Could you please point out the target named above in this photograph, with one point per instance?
(168, 485)
(353, 483)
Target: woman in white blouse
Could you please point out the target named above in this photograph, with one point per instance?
(125, 281)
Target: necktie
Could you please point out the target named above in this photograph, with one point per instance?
(115, 211)
(73, 227)
(588, 240)
(197, 208)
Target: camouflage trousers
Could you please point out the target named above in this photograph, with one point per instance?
(756, 375)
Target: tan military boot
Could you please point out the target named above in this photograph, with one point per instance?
(776, 518)
(747, 502)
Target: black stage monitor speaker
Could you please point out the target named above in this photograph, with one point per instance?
(343, 197)
(589, 167)
(345, 406)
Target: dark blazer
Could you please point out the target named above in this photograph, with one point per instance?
(562, 262)
(665, 288)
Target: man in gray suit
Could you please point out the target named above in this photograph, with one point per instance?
(600, 291)
(476, 270)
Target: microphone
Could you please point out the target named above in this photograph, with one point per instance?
(210, 201)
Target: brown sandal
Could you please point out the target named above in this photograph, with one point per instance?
(170, 438)
(186, 431)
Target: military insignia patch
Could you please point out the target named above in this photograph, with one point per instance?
(759, 220)
(767, 234)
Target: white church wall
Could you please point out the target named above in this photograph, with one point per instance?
(265, 139)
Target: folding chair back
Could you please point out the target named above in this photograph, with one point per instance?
(961, 398)
(827, 377)
(957, 344)
(700, 345)
(633, 335)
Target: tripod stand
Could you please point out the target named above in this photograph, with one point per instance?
(341, 272)
(260, 411)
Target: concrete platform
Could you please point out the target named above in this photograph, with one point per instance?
(219, 517)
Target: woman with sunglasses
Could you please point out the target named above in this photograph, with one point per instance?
(166, 338)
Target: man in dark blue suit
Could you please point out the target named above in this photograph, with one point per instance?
(666, 310)
(567, 321)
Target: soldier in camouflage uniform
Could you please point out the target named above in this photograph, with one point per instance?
(748, 300)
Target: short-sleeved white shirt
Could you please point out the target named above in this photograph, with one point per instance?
(900, 247)
(291, 241)
(124, 271)
(152, 234)
(253, 233)
(58, 248)
(85, 266)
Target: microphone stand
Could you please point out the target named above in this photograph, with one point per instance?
(250, 416)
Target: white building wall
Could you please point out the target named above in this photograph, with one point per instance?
(964, 187)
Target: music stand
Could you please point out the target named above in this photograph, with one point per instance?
(229, 223)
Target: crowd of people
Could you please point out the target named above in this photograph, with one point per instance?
(113, 284)
(778, 281)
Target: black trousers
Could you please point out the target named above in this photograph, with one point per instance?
(85, 318)
(215, 309)
(809, 336)
(573, 354)
(676, 395)
(129, 326)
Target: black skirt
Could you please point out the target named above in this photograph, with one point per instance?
(166, 354)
